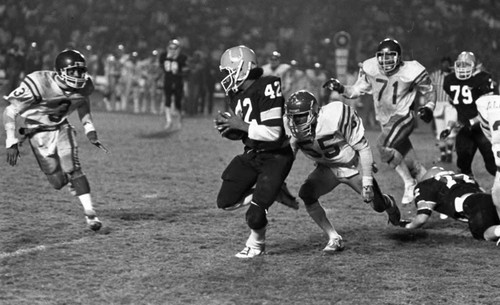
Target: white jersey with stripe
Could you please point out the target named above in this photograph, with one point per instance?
(488, 107)
(41, 101)
(338, 129)
(393, 94)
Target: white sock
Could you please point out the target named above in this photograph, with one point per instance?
(257, 238)
(86, 201)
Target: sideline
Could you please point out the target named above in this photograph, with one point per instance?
(40, 248)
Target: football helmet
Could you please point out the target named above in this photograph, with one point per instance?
(71, 66)
(434, 171)
(389, 55)
(236, 63)
(302, 109)
(465, 65)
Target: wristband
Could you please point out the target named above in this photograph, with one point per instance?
(88, 127)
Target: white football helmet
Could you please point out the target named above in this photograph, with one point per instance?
(236, 62)
(465, 65)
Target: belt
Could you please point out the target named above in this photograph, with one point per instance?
(31, 131)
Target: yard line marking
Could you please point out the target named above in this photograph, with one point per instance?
(40, 248)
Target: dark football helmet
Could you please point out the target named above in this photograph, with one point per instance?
(302, 109)
(71, 66)
(389, 55)
(465, 65)
(236, 62)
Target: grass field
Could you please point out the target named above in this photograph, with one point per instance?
(165, 242)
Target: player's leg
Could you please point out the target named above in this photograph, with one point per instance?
(483, 220)
(381, 202)
(178, 97)
(320, 182)
(272, 169)
(441, 125)
(485, 148)
(43, 145)
(167, 88)
(67, 149)
(238, 180)
(393, 145)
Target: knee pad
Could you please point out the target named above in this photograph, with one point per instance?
(256, 217)
(80, 184)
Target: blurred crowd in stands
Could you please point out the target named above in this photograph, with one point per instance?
(122, 39)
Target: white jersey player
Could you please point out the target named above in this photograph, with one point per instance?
(394, 84)
(275, 67)
(488, 107)
(38, 111)
(333, 137)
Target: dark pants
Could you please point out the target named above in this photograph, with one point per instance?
(468, 141)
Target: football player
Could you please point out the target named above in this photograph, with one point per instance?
(275, 67)
(38, 111)
(464, 87)
(460, 197)
(394, 84)
(256, 176)
(333, 137)
(488, 107)
(174, 65)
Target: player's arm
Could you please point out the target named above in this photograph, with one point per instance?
(19, 100)
(424, 211)
(360, 87)
(424, 85)
(88, 125)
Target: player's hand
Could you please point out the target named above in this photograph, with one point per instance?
(334, 84)
(234, 121)
(12, 155)
(368, 193)
(425, 113)
(92, 136)
(444, 134)
(404, 222)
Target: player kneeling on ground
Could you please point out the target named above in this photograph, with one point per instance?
(333, 137)
(44, 101)
(460, 197)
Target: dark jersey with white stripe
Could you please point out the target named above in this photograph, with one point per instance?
(439, 193)
(262, 103)
(464, 93)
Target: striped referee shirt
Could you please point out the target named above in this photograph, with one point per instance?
(438, 79)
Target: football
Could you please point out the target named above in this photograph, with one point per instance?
(231, 134)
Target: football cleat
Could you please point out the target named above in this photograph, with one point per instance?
(286, 198)
(334, 245)
(93, 222)
(408, 196)
(249, 252)
(393, 211)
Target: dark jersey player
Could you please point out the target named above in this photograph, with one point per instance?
(464, 87)
(458, 196)
(256, 176)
